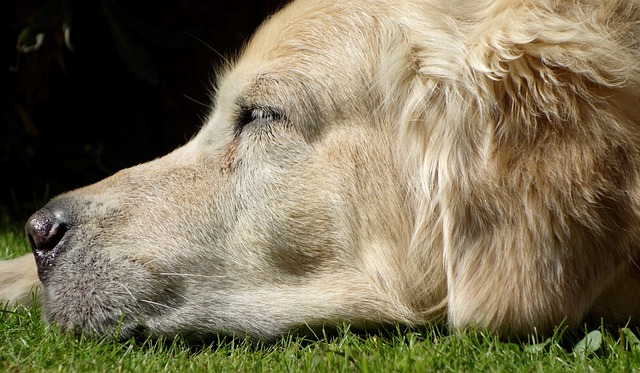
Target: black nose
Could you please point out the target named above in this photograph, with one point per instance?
(45, 230)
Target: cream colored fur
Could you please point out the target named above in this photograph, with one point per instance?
(19, 281)
(373, 162)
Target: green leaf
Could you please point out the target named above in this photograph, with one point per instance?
(589, 344)
(630, 340)
(536, 348)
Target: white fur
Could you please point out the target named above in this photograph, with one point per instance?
(408, 161)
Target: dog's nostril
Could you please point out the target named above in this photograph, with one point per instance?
(44, 230)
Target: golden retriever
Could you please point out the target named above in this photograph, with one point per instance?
(373, 162)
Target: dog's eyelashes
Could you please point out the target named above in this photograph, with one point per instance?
(266, 114)
(259, 116)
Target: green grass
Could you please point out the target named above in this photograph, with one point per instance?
(27, 344)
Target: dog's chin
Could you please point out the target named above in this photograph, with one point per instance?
(93, 323)
(93, 296)
(106, 320)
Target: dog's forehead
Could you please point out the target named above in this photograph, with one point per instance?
(318, 31)
(317, 62)
(302, 52)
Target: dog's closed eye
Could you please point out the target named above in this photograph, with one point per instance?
(257, 116)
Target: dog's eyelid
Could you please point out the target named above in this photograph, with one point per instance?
(261, 114)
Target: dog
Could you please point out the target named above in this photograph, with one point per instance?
(374, 162)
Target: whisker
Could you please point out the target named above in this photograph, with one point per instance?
(225, 59)
(149, 261)
(128, 291)
(189, 275)
(196, 101)
(156, 304)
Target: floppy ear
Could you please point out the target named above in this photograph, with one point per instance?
(530, 148)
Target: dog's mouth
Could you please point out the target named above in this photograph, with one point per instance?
(89, 292)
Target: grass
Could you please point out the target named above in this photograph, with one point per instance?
(27, 345)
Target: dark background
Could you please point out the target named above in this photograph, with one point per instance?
(136, 85)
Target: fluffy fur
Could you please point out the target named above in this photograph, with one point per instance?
(374, 162)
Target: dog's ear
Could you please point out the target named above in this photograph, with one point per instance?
(528, 142)
(549, 70)
(519, 72)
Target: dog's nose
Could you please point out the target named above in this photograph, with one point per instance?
(45, 229)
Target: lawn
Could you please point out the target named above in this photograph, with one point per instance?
(27, 344)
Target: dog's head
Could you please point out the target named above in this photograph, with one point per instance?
(370, 161)
(289, 208)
